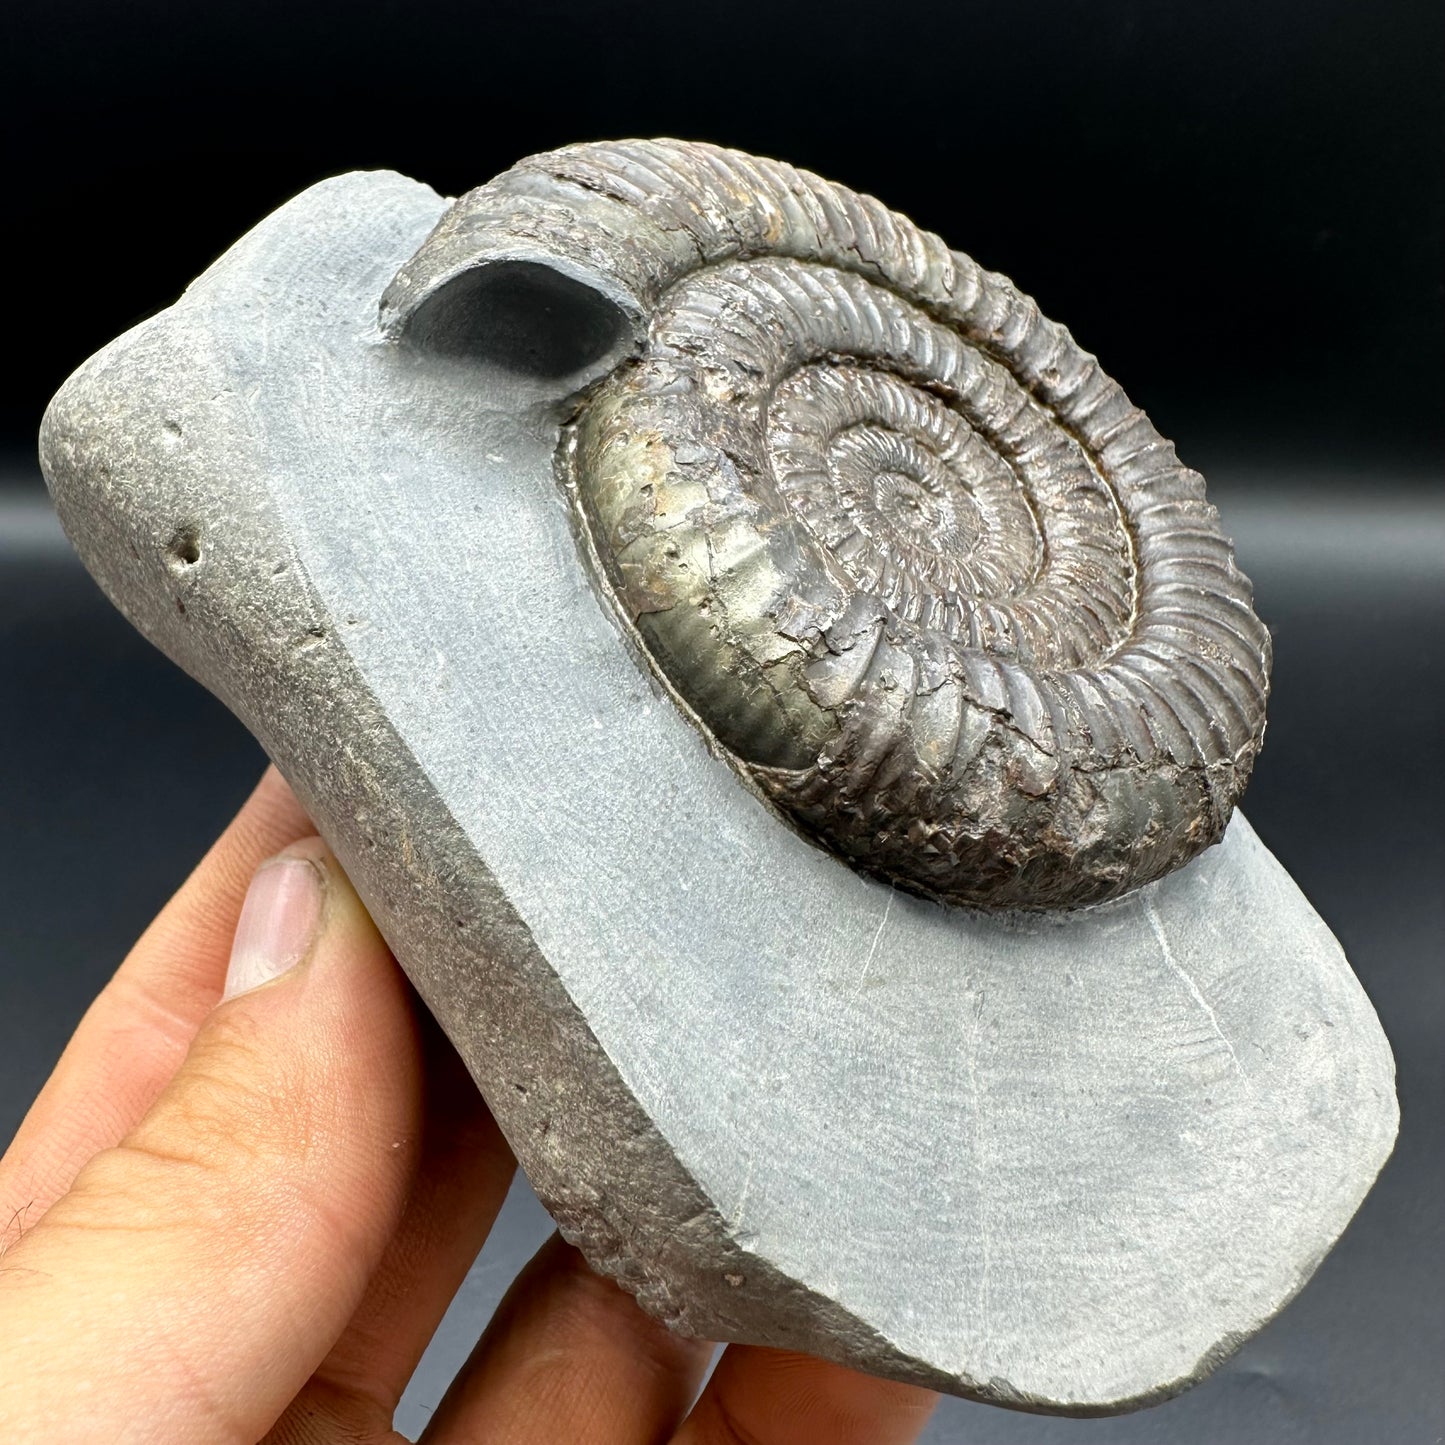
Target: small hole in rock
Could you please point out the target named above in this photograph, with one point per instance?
(185, 547)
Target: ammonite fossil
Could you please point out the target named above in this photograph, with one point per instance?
(916, 564)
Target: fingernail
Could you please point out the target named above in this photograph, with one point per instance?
(276, 925)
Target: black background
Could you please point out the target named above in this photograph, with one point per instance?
(1238, 206)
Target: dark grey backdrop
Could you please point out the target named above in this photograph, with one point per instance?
(1239, 206)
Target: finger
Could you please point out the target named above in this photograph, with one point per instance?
(775, 1397)
(134, 1036)
(196, 1274)
(569, 1356)
(461, 1182)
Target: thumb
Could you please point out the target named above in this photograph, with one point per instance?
(195, 1275)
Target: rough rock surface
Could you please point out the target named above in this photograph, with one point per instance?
(1065, 1163)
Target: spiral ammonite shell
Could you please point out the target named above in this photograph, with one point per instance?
(906, 553)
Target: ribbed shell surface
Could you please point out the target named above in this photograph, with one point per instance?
(907, 554)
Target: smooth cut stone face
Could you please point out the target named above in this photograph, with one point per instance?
(1064, 1162)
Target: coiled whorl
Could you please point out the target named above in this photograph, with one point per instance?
(916, 563)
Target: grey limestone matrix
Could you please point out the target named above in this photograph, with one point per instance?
(785, 708)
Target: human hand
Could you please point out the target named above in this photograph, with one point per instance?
(242, 1217)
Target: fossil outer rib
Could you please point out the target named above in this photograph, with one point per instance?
(908, 554)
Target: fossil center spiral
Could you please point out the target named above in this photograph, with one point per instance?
(905, 497)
